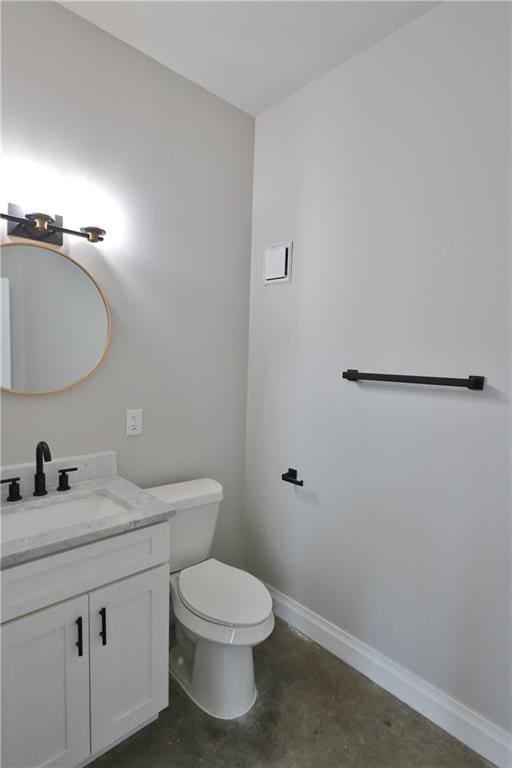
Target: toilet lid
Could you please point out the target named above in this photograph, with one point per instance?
(224, 595)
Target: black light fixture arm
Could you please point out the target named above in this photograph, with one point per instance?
(471, 382)
(40, 226)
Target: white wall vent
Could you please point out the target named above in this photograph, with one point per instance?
(277, 263)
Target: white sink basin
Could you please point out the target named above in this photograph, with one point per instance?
(62, 514)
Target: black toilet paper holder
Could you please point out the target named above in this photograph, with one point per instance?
(291, 477)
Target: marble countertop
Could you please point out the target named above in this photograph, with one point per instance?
(140, 509)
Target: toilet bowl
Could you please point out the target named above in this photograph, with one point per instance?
(220, 612)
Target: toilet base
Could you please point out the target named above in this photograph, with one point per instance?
(218, 678)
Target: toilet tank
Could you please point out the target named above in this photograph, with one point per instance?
(191, 530)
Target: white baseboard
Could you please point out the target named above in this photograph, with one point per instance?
(459, 721)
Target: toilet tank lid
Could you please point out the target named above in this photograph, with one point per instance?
(192, 493)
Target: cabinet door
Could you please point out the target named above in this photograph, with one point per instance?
(45, 687)
(129, 638)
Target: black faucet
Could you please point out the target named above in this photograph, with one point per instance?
(42, 453)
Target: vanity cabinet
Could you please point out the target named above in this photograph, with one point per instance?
(45, 688)
(81, 675)
(129, 631)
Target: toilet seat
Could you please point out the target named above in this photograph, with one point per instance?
(216, 633)
(224, 595)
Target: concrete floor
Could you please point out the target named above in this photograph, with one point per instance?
(313, 711)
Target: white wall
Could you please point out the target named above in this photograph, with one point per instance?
(177, 163)
(391, 176)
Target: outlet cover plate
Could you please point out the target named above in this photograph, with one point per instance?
(134, 422)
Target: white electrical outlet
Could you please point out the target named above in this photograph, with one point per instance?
(134, 422)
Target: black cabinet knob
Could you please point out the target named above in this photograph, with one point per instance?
(103, 630)
(80, 642)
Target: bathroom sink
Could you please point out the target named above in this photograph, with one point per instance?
(63, 514)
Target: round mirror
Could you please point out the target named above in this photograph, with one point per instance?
(55, 321)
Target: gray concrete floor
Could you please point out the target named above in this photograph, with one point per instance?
(313, 711)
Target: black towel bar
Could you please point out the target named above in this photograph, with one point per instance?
(472, 382)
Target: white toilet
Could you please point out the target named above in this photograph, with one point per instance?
(220, 611)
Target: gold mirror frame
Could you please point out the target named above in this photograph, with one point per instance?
(56, 249)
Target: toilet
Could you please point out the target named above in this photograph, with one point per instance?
(220, 612)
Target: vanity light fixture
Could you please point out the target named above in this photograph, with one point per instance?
(40, 221)
(41, 226)
(94, 234)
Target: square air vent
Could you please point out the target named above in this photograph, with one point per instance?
(277, 263)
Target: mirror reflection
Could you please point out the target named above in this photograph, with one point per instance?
(54, 320)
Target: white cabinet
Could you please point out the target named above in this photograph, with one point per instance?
(80, 675)
(129, 623)
(45, 687)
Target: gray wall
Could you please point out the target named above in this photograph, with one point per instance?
(177, 161)
(391, 176)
